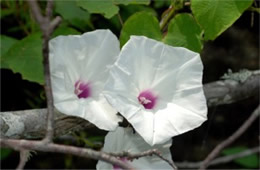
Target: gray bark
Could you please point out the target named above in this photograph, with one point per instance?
(235, 88)
(31, 124)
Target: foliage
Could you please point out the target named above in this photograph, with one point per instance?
(108, 8)
(139, 17)
(251, 161)
(8, 42)
(184, 31)
(142, 23)
(4, 153)
(216, 16)
(73, 14)
(25, 57)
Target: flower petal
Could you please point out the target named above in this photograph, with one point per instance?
(173, 74)
(180, 69)
(86, 58)
(124, 98)
(180, 120)
(125, 140)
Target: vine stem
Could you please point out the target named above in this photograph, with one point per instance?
(167, 17)
(170, 12)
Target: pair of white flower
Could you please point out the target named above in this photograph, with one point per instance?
(156, 87)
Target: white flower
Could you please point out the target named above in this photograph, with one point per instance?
(123, 139)
(157, 88)
(79, 69)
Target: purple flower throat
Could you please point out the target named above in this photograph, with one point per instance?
(82, 89)
(116, 167)
(147, 99)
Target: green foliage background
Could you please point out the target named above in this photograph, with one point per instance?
(206, 20)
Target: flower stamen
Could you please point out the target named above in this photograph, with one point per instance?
(143, 100)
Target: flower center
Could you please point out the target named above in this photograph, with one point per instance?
(82, 89)
(147, 99)
(116, 167)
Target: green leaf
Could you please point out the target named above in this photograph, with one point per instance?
(6, 12)
(127, 2)
(251, 161)
(127, 11)
(63, 30)
(73, 13)
(183, 31)
(141, 23)
(160, 3)
(108, 8)
(25, 57)
(4, 153)
(216, 16)
(5, 45)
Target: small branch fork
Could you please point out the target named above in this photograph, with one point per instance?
(47, 27)
(151, 152)
(215, 152)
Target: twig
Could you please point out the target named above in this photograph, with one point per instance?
(120, 19)
(254, 9)
(49, 9)
(252, 19)
(47, 27)
(151, 152)
(58, 148)
(36, 12)
(230, 139)
(220, 160)
(24, 156)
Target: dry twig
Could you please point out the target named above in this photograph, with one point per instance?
(58, 148)
(214, 153)
(151, 152)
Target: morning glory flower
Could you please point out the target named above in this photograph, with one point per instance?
(157, 88)
(79, 69)
(123, 139)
